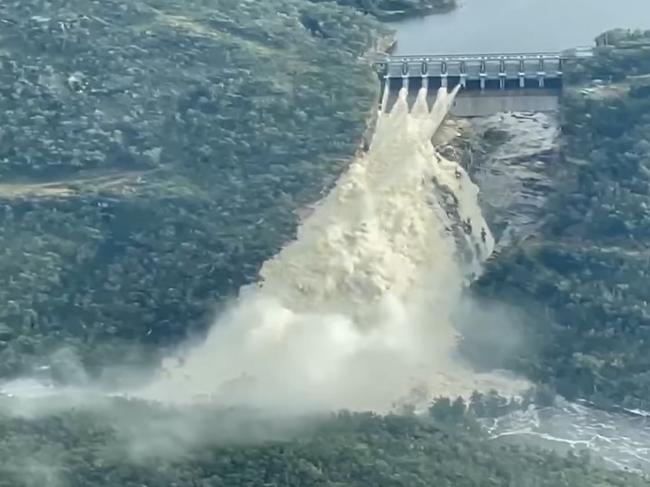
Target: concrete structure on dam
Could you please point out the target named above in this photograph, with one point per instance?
(490, 83)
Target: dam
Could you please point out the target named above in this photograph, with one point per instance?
(489, 83)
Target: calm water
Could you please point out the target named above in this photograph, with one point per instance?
(485, 26)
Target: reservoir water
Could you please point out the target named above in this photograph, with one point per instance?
(480, 26)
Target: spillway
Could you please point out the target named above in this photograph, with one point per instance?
(355, 312)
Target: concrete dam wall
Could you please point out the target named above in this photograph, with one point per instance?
(489, 83)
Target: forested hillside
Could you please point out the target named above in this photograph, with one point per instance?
(152, 156)
(154, 153)
(588, 268)
(130, 444)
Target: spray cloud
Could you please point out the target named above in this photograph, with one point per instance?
(356, 312)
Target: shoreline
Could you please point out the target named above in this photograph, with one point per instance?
(395, 15)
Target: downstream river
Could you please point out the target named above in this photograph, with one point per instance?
(516, 169)
(481, 26)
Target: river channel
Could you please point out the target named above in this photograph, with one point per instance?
(516, 169)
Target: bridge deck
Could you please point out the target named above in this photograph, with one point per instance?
(507, 66)
(540, 70)
(491, 83)
(492, 56)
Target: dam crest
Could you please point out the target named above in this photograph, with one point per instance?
(489, 83)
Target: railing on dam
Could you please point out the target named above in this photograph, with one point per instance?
(491, 83)
(477, 71)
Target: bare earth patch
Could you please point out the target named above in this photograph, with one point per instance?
(119, 183)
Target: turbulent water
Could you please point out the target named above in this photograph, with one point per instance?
(513, 171)
(619, 440)
(356, 311)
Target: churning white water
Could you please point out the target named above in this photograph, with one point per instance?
(618, 440)
(356, 311)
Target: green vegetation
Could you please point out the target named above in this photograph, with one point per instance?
(153, 154)
(131, 444)
(588, 268)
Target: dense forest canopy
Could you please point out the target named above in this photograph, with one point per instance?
(588, 267)
(131, 444)
(154, 153)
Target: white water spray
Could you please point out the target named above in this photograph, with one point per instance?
(356, 311)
